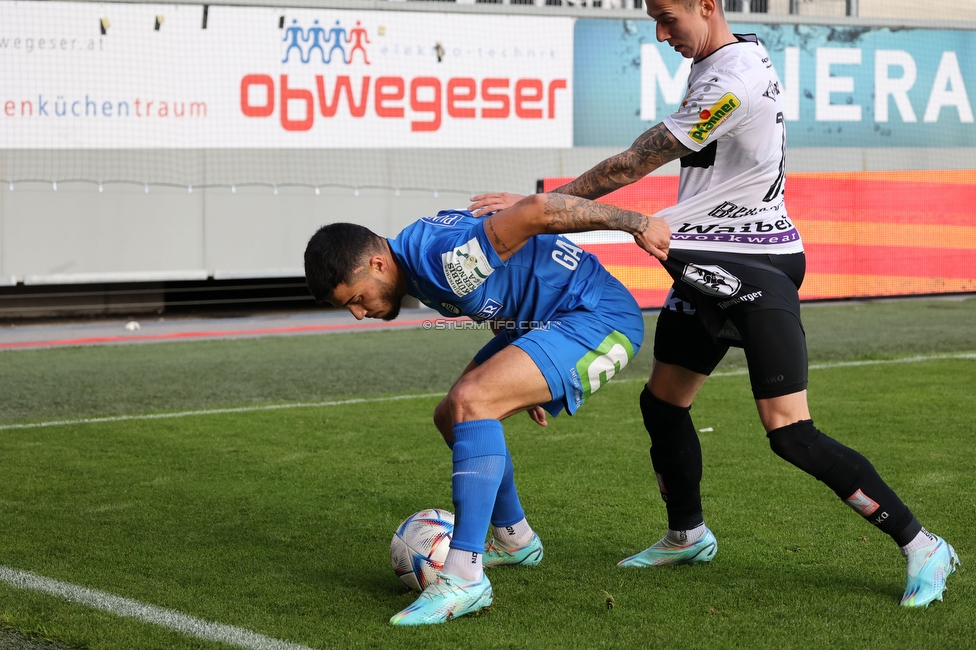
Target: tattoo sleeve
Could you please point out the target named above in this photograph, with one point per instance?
(574, 214)
(650, 150)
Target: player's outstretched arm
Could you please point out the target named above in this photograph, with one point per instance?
(650, 150)
(538, 214)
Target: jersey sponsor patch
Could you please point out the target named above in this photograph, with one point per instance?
(598, 366)
(488, 311)
(710, 118)
(466, 267)
(711, 280)
(444, 218)
(454, 309)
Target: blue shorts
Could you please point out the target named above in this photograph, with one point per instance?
(580, 350)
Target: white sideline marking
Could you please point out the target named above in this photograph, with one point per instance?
(239, 409)
(845, 364)
(371, 400)
(169, 618)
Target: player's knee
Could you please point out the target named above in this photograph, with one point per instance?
(464, 402)
(444, 421)
(660, 417)
(675, 449)
(792, 443)
(803, 445)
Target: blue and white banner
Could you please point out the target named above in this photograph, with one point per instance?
(842, 86)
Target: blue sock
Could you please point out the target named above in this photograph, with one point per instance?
(479, 464)
(508, 508)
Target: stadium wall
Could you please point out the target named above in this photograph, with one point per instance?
(236, 193)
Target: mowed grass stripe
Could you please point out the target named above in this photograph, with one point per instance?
(373, 400)
(127, 608)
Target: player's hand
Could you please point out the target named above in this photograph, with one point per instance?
(538, 415)
(483, 204)
(655, 238)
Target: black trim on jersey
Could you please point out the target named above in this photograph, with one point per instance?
(704, 158)
(739, 38)
(777, 187)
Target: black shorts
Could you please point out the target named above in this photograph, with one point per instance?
(747, 301)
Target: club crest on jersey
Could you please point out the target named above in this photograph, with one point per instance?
(711, 280)
(772, 90)
(466, 267)
(709, 119)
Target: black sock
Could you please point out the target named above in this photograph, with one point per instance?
(677, 459)
(849, 474)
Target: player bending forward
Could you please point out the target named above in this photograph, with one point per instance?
(569, 325)
(737, 263)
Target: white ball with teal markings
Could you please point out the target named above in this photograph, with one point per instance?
(420, 546)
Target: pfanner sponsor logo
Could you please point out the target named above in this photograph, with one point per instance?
(709, 119)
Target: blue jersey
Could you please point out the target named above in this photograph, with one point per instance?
(452, 267)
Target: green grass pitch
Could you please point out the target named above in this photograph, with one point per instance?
(279, 521)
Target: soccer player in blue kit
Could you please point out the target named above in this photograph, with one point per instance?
(737, 262)
(567, 327)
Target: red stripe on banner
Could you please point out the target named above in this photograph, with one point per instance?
(947, 176)
(817, 286)
(892, 260)
(174, 336)
(867, 233)
(943, 204)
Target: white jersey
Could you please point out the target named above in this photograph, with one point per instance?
(730, 197)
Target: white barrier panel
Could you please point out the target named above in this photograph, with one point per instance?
(280, 78)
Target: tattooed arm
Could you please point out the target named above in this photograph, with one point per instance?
(511, 228)
(653, 148)
(650, 150)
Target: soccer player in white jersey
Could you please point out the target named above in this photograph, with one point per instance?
(737, 263)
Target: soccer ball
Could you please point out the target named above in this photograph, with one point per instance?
(420, 546)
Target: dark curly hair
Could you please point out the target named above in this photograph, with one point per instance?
(333, 253)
